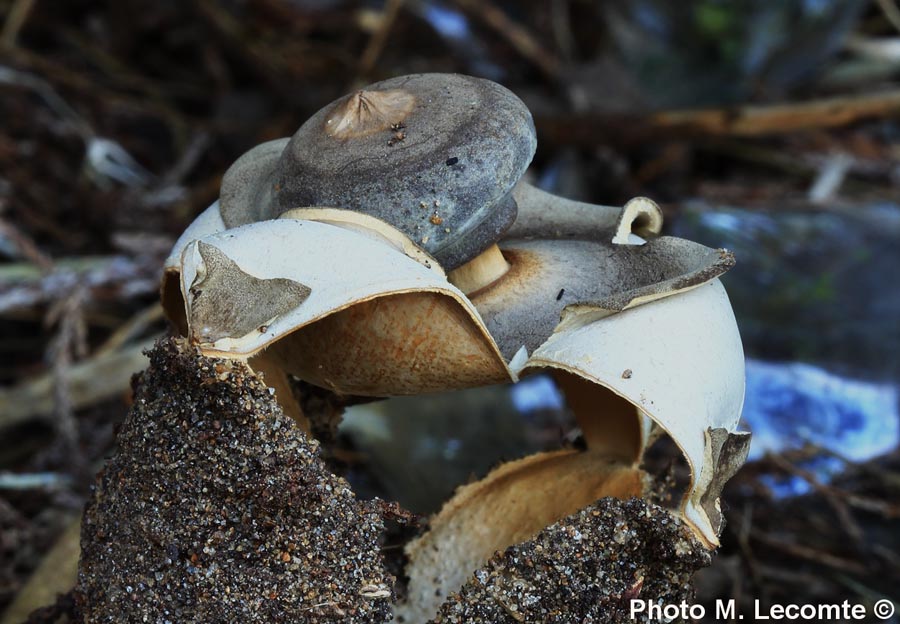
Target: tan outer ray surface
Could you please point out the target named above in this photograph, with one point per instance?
(276, 377)
(400, 344)
(511, 505)
(609, 423)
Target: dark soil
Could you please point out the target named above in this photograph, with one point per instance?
(586, 568)
(217, 508)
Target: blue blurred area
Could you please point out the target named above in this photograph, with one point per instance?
(824, 467)
(453, 27)
(817, 298)
(536, 393)
(447, 22)
(790, 405)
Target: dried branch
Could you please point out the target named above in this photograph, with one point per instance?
(23, 286)
(55, 574)
(810, 554)
(132, 328)
(90, 381)
(848, 522)
(33, 480)
(518, 37)
(69, 342)
(831, 493)
(25, 247)
(747, 121)
(891, 12)
(15, 20)
(379, 38)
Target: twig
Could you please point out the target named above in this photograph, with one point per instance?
(19, 272)
(521, 40)
(379, 38)
(593, 128)
(90, 381)
(743, 536)
(132, 277)
(70, 342)
(25, 246)
(15, 19)
(881, 49)
(562, 28)
(888, 555)
(781, 118)
(267, 62)
(830, 492)
(857, 73)
(887, 477)
(891, 12)
(810, 554)
(55, 575)
(125, 77)
(105, 157)
(196, 147)
(40, 86)
(33, 481)
(862, 590)
(803, 579)
(89, 87)
(131, 328)
(168, 189)
(857, 174)
(851, 527)
(159, 94)
(830, 178)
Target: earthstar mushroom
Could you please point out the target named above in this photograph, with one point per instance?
(374, 265)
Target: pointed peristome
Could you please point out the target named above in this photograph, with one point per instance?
(368, 112)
